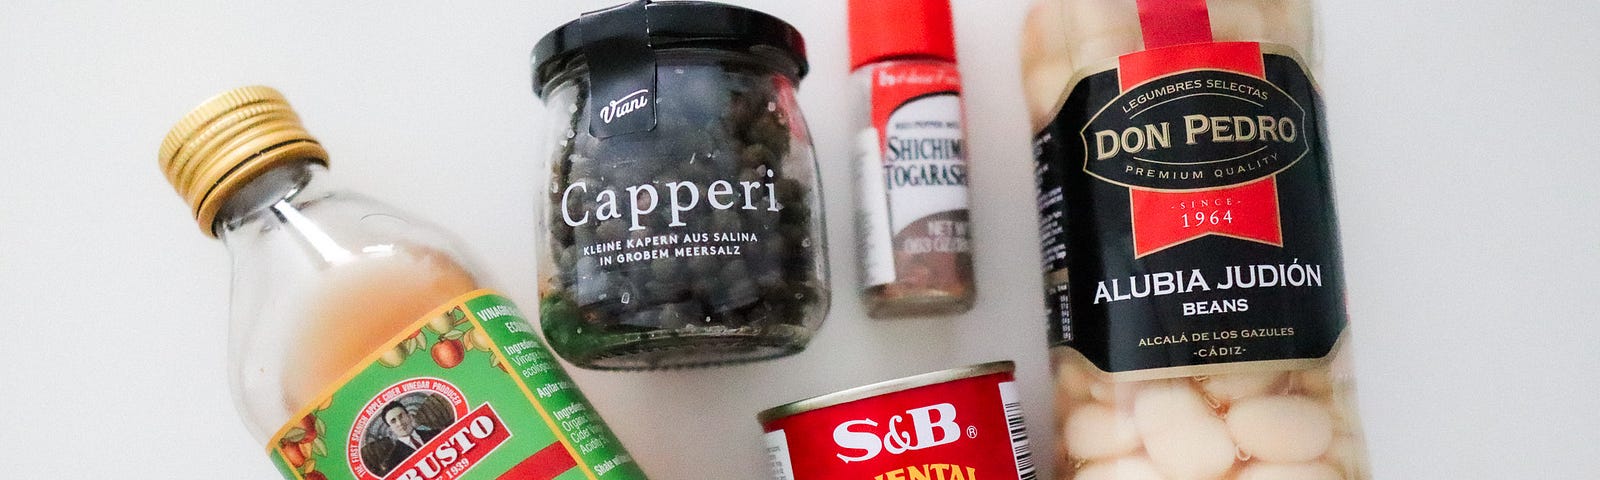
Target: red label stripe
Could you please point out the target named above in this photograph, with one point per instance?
(1176, 32)
(1164, 219)
(544, 464)
(1241, 57)
(1174, 22)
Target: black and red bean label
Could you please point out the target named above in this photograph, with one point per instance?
(1186, 195)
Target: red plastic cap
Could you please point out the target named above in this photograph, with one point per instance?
(885, 29)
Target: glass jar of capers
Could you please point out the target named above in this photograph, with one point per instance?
(682, 218)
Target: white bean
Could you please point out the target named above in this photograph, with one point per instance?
(1093, 18)
(1343, 410)
(1101, 29)
(1237, 20)
(1046, 69)
(1289, 22)
(1234, 386)
(1288, 428)
(1115, 393)
(1196, 450)
(1316, 381)
(1046, 86)
(1125, 468)
(1346, 454)
(1163, 406)
(1096, 431)
(1288, 471)
(1090, 52)
(1044, 33)
(1074, 374)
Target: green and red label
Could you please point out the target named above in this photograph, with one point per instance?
(469, 392)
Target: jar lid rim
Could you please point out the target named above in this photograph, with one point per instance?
(681, 23)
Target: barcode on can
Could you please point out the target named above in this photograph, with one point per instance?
(1018, 428)
(778, 452)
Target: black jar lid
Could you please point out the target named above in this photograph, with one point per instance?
(678, 24)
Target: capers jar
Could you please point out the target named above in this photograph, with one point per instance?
(681, 214)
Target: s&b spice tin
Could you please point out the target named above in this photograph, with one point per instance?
(959, 424)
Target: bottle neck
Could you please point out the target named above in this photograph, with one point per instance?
(294, 204)
(258, 197)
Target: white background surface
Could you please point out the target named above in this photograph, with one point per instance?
(1462, 134)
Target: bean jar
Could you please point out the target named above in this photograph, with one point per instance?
(681, 216)
(1193, 267)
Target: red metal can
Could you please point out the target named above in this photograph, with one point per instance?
(959, 424)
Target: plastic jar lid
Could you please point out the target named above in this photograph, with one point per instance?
(679, 24)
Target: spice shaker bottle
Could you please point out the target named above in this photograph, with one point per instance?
(1192, 260)
(682, 214)
(911, 191)
(364, 346)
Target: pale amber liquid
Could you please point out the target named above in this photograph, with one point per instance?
(362, 305)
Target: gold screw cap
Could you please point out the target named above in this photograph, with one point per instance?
(229, 140)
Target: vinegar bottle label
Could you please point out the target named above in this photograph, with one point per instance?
(466, 392)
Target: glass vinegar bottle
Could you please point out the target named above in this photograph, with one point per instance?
(356, 324)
